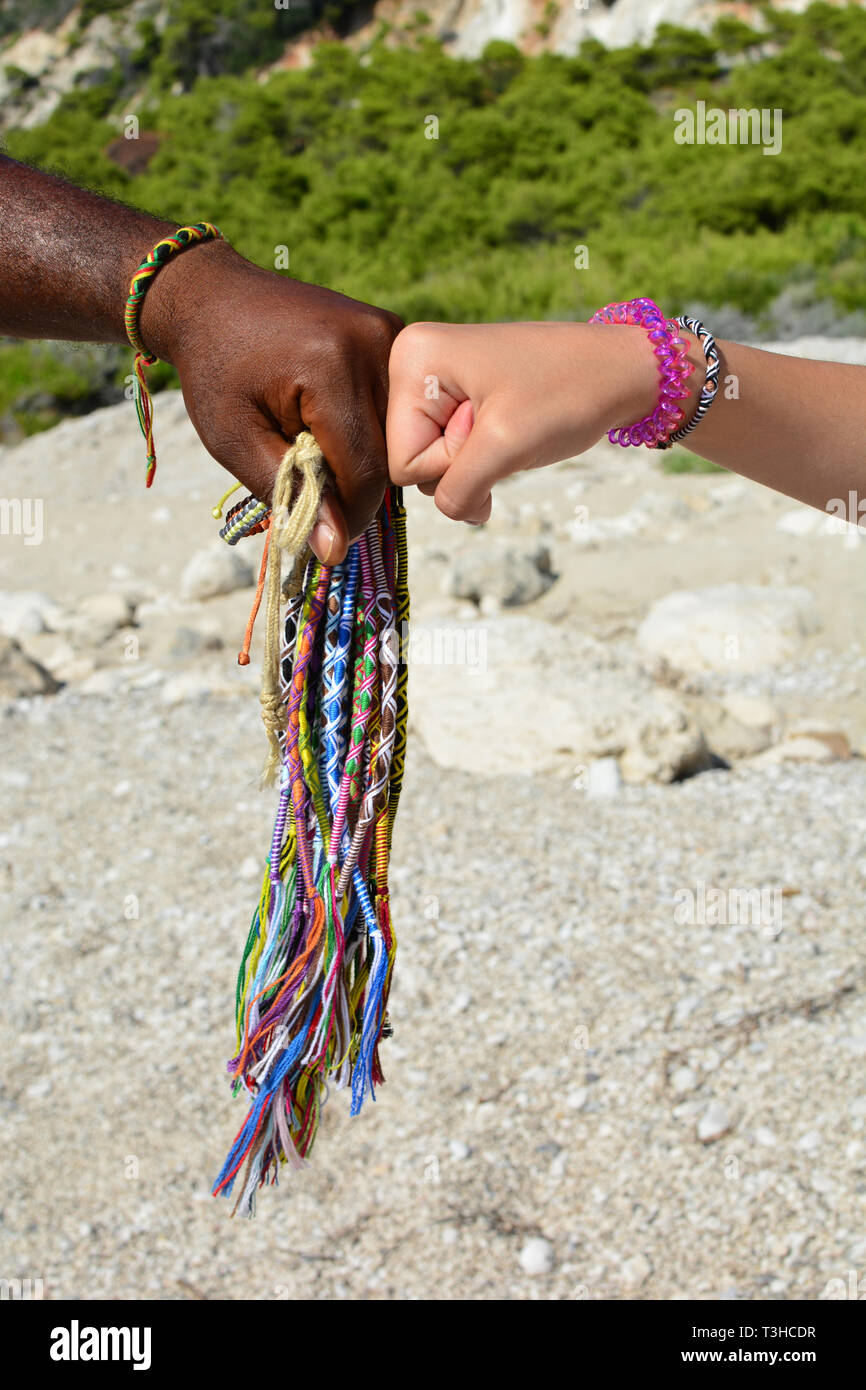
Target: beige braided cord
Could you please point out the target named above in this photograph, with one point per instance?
(291, 524)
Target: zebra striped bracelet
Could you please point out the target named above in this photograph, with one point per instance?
(710, 388)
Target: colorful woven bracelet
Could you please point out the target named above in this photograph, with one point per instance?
(709, 390)
(246, 518)
(155, 259)
(674, 370)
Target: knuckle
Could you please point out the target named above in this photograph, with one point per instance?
(382, 328)
(409, 347)
(503, 436)
(324, 349)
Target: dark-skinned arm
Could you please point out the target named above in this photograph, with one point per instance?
(260, 357)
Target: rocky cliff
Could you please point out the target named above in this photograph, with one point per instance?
(69, 47)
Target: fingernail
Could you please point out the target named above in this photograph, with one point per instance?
(322, 541)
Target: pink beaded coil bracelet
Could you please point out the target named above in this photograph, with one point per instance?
(674, 371)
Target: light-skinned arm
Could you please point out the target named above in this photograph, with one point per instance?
(471, 404)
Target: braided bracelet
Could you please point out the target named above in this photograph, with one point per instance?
(246, 518)
(674, 370)
(709, 390)
(139, 285)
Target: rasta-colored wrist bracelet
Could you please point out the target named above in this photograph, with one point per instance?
(710, 388)
(155, 259)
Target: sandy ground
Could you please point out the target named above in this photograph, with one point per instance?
(673, 1108)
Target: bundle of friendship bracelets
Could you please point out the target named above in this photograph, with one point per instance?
(315, 975)
(314, 980)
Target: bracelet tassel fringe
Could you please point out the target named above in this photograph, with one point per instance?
(313, 985)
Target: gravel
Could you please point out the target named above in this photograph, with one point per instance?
(547, 1007)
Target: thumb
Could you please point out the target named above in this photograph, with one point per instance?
(488, 454)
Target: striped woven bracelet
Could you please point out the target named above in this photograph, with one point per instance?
(246, 518)
(141, 281)
(710, 388)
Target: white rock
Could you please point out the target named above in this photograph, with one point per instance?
(25, 612)
(727, 736)
(20, 675)
(810, 1141)
(635, 1271)
(807, 521)
(766, 1137)
(714, 1123)
(687, 1109)
(726, 491)
(662, 741)
(577, 1097)
(99, 615)
(471, 685)
(834, 739)
(218, 569)
(802, 521)
(651, 512)
(58, 656)
(107, 681)
(201, 684)
(823, 1183)
(558, 1166)
(685, 1007)
(750, 710)
(250, 868)
(459, 1150)
(508, 572)
(733, 627)
(39, 1090)
(537, 1257)
(804, 748)
(683, 1080)
(604, 777)
(16, 777)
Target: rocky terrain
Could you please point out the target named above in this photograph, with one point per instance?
(628, 883)
(42, 62)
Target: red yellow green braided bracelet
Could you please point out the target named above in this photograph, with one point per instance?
(155, 259)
